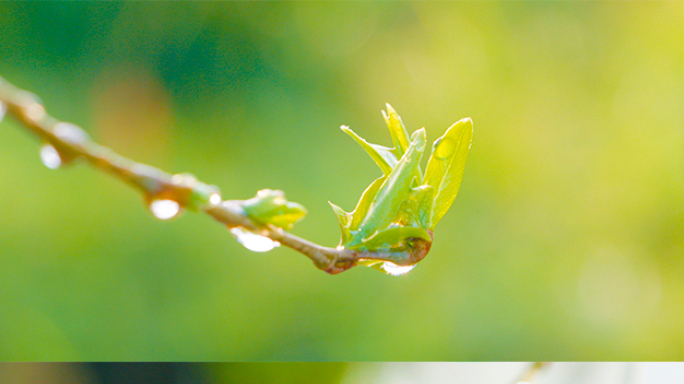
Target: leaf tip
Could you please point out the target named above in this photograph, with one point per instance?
(391, 113)
(348, 131)
(419, 134)
(467, 121)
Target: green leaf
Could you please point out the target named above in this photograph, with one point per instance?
(394, 190)
(364, 202)
(393, 237)
(382, 156)
(344, 219)
(270, 207)
(416, 209)
(445, 167)
(400, 137)
(423, 197)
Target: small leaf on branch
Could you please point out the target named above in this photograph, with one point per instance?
(364, 202)
(416, 209)
(383, 156)
(394, 190)
(344, 219)
(400, 137)
(393, 237)
(270, 207)
(445, 167)
(397, 212)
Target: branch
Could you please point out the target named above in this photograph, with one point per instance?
(531, 372)
(66, 143)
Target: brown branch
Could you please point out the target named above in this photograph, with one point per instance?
(72, 143)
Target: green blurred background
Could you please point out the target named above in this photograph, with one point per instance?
(565, 243)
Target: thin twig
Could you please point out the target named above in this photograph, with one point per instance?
(72, 143)
(531, 372)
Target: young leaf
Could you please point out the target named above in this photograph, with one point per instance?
(394, 190)
(365, 202)
(424, 197)
(400, 137)
(445, 167)
(382, 156)
(393, 237)
(416, 209)
(270, 207)
(344, 219)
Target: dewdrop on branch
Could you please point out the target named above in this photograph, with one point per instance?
(396, 270)
(215, 199)
(50, 157)
(252, 241)
(68, 133)
(164, 209)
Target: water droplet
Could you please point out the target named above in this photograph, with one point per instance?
(164, 209)
(71, 133)
(444, 148)
(50, 157)
(3, 109)
(396, 270)
(215, 199)
(252, 241)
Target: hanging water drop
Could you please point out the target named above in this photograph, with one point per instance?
(3, 109)
(396, 270)
(50, 157)
(252, 241)
(164, 209)
(215, 199)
